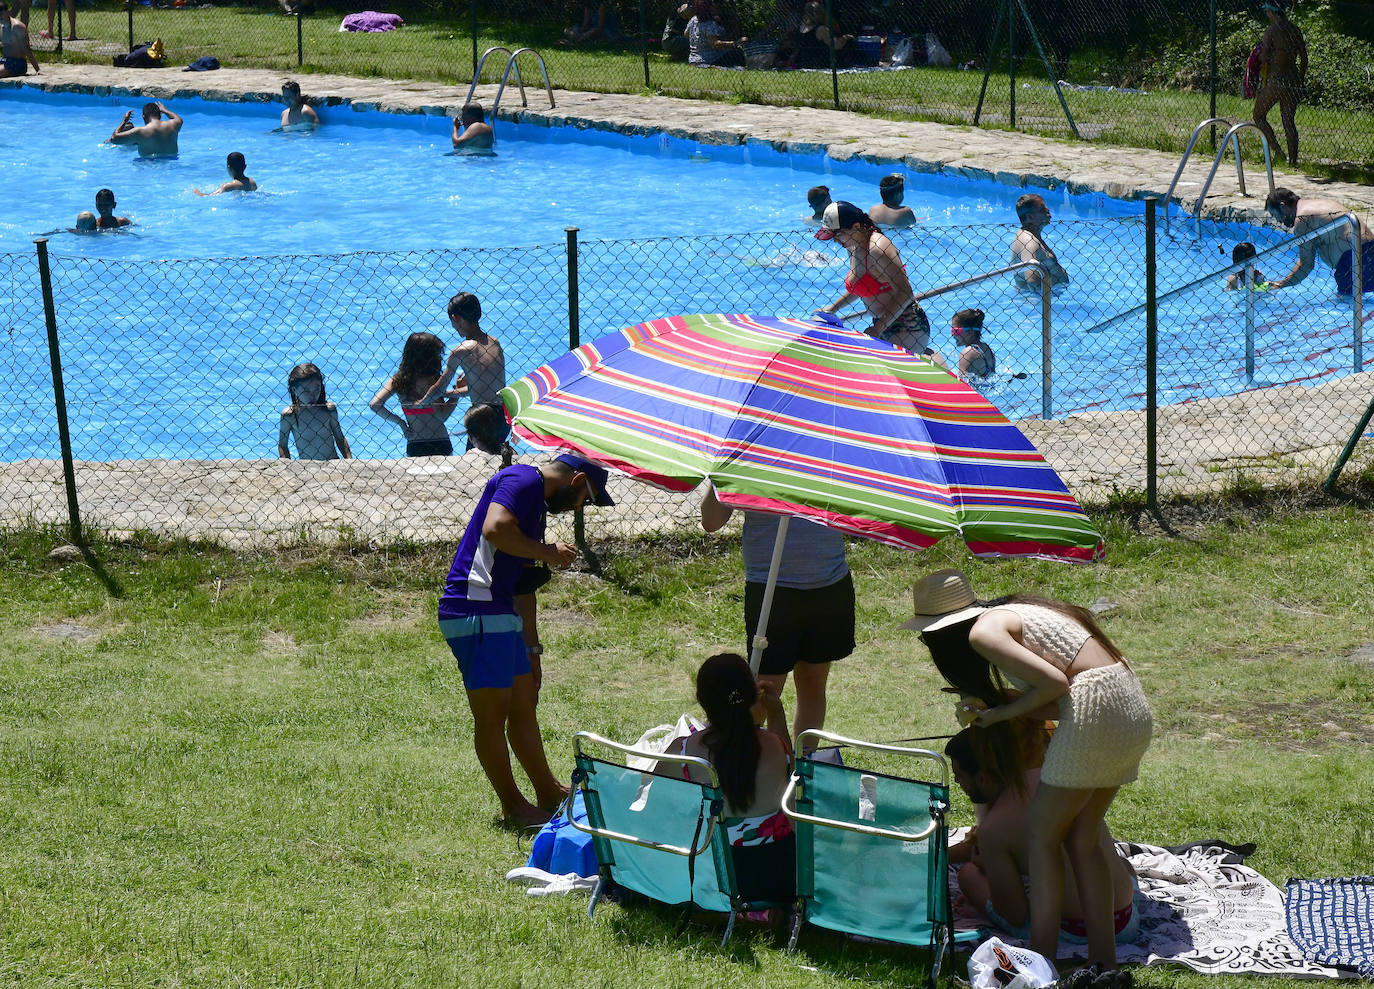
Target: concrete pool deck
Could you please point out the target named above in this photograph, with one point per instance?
(1007, 157)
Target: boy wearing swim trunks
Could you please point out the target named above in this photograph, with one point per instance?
(14, 45)
(477, 616)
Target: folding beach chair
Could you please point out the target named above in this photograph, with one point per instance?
(872, 849)
(661, 836)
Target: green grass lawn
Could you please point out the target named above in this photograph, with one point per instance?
(442, 51)
(257, 771)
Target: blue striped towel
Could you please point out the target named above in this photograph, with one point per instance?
(1332, 921)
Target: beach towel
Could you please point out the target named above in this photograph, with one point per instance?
(1199, 908)
(371, 20)
(1332, 921)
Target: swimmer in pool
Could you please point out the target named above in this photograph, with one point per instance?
(1029, 245)
(104, 205)
(818, 198)
(85, 223)
(1239, 253)
(1312, 213)
(471, 132)
(238, 180)
(890, 212)
(298, 113)
(157, 138)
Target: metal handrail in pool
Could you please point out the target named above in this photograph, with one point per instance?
(505, 75)
(1046, 349)
(1232, 138)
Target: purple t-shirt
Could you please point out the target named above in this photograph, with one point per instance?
(482, 578)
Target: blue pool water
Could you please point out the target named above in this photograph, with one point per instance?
(177, 336)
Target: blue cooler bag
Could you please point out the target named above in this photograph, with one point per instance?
(560, 848)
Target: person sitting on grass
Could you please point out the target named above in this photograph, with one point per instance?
(238, 179)
(600, 22)
(298, 113)
(706, 38)
(1239, 253)
(753, 764)
(471, 132)
(998, 768)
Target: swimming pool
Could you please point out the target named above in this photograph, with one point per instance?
(187, 358)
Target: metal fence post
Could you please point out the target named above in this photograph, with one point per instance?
(58, 392)
(60, 29)
(472, 4)
(574, 329)
(644, 44)
(1212, 72)
(131, 24)
(1011, 61)
(1151, 352)
(1046, 349)
(1249, 324)
(834, 72)
(300, 41)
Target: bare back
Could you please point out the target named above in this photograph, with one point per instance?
(484, 368)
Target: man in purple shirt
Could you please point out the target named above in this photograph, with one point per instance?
(477, 616)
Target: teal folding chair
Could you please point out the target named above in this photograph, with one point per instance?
(658, 835)
(872, 849)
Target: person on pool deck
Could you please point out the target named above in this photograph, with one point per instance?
(157, 138)
(14, 45)
(1239, 253)
(877, 278)
(483, 365)
(105, 205)
(424, 411)
(890, 212)
(1333, 247)
(818, 198)
(71, 20)
(812, 621)
(238, 179)
(1283, 57)
(998, 768)
(478, 619)
(471, 132)
(1029, 244)
(298, 113)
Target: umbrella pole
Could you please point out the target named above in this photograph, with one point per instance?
(760, 642)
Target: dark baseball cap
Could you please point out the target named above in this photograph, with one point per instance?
(596, 477)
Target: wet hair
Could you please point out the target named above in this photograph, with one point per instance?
(486, 426)
(237, 163)
(104, 194)
(1281, 196)
(299, 373)
(151, 110)
(1003, 751)
(969, 319)
(465, 304)
(891, 188)
(726, 691)
(1241, 251)
(85, 221)
(473, 113)
(423, 354)
(291, 86)
(1027, 203)
(817, 195)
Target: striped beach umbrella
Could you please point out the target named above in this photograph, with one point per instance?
(798, 417)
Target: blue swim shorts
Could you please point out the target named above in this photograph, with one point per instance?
(490, 649)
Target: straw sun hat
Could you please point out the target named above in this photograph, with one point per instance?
(942, 598)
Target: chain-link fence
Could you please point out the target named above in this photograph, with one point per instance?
(175, 373)
(1129, 73)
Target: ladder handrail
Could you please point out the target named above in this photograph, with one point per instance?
(1046, 349)
(1232, 136)
(477, 74)
(511, 64)
(1187, 152)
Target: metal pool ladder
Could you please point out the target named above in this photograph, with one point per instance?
(1233, 139)
(510, 64)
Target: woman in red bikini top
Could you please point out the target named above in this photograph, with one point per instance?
(876, 277)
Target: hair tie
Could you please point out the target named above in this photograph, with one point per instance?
(735, 698)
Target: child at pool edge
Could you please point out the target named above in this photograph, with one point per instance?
(483, 374)
(424, 411)
(753, 762)
(311, 418)
(1239, 253)
(976, 359)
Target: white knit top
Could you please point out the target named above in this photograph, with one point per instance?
(1047, 633)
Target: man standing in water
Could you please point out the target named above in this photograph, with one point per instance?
(1333, 246)
(298, 113)
(1029, 245)
(157, 138)
(471, 132)
(1283, 54)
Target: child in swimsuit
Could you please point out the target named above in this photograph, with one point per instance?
(1239, 253)
(311, 418)
(976, 359)
(752, 764)
(423, 416)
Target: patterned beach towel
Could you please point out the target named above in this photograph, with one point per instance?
(1332, 921)
(1202, 909)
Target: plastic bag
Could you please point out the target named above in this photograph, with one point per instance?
(935, 52)
(659, 737)
(902, 54)
(995, 964)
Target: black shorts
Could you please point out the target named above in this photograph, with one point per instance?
(429, 448)
(811, 626)
(766, 873)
